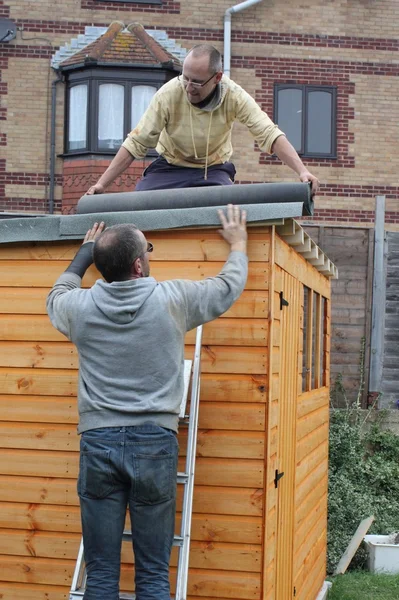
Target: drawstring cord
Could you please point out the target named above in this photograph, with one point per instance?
(207, 141)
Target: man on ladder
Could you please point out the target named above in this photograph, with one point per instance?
(129, 331)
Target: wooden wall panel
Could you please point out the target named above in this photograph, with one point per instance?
(39, 511)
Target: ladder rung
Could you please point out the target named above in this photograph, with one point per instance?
(182, 477)
(177, 540)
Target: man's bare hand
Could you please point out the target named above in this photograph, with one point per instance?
(307, 176)
(97, 188)
(94, 232)
(234, 227)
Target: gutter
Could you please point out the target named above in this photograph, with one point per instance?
(52, 141)
(227, 31)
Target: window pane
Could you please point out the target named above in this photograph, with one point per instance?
(141, 97)
(289, 111)
(77, 126)
(110, 116)
(319, 122)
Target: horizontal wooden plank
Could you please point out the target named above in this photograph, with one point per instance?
(193, 246)
(219, 387)
(289, 260)
(311, 441)
(17, 273)
(60, 388)
(61, 519)
(210, 442)
(229, 444)
(33, 591)
(312, 421)
(311, 401)
(203, 555)
(59, 355)
(227, 584)
(232, 416)
(219, 500)
(42, 463)
(32, 301)
(37, 328)
(311, 461)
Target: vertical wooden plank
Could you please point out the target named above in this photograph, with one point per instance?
(269, 512)
(287, 437)
(378, 314)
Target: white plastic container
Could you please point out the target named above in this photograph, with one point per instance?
(383, 554)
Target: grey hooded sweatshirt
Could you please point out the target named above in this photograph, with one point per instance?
(130, 340)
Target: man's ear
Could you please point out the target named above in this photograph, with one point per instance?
(137, 267)
(218, 76)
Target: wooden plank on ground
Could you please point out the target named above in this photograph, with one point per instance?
(354, 544)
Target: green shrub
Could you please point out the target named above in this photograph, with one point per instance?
(363, 481)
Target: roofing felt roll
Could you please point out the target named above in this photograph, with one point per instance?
(254, 193)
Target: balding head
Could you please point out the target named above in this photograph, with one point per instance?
(116, 249)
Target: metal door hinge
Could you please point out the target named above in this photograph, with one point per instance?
(277, 477)
(283, 301)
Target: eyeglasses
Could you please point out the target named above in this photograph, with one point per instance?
(150, 247)
(195, 84)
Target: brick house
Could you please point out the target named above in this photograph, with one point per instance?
(291, 58)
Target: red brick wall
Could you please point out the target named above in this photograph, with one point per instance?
(353, 48)
(80, 174)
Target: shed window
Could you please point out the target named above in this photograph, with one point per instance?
(314, 340)
(307, 115)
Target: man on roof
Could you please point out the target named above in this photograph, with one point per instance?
(189, 122)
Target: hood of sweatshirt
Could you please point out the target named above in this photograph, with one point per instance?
(121, 300)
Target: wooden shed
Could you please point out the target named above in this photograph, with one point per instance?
(260, 500)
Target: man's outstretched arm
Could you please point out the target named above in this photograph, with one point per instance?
(121, 161)
(59, 298)
(288, 155)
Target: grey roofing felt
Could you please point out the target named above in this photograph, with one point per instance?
(58, 227)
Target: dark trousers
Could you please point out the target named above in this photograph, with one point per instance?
(132, 467)
(160, 175)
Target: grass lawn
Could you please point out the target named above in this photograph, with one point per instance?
(364, 586)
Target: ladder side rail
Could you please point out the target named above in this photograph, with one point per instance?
(79, 575)
(183, 562)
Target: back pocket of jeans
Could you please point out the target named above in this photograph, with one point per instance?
(155, 477)
(95, 478)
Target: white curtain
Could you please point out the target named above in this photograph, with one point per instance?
(110, 115)
(77, 126)
(141, 97)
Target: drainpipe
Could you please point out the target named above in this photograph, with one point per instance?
(227, 31)
(52, 141)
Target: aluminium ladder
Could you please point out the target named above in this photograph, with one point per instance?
(182, 541)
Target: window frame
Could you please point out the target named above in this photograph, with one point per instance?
(306, 90)
(93, 77)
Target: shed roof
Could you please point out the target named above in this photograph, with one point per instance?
(30, 228)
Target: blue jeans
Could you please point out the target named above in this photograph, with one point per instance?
(131, 467)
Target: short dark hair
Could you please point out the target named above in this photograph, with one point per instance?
(115, 250)
(215, 58)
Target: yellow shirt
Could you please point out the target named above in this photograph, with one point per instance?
(192, 137)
